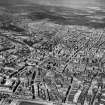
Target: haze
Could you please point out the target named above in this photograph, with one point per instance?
(71, 3)
(66, 3)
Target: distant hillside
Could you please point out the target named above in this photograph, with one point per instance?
(58, 15)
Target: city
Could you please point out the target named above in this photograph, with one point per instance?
(52, 64)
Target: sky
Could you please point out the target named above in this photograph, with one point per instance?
(72, 3)
(7, 2)
(66, 3)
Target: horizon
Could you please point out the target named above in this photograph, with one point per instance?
(63, 3)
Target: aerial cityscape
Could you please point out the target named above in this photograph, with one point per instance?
(52, 54)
